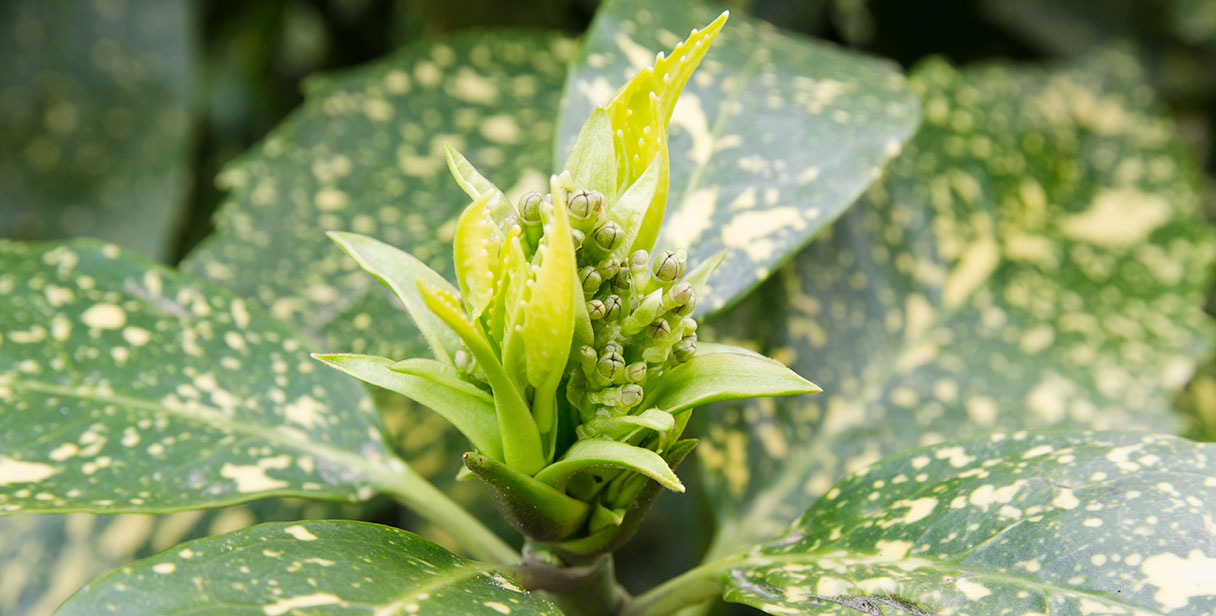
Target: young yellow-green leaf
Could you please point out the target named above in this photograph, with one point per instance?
(80, 547)
(125, 386)
(588, 454)
(772, 138)
(95, 121)
(432, 384)
(1016, 524)
(476, 185)
(401, 272)
(475, 253)
(722, 372)
(1035, 259)
(592, 159)
(365, 153)
(322, 567)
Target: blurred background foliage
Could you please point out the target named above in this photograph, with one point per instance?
(117, 115)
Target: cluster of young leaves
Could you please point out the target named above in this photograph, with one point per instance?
(991, 238)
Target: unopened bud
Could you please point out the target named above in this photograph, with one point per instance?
(579, 237)
(631, 395)
(612, 307)
(638, 262)
(667, 267)
(590, 279)
(610, 366)
(687, 307)
(596, 309)
(685, 349)
(677, 295)
(585, 204)
(612, 346)
(635, 372)
(688, 326)
(608, 268)
(464, 361)
(587, 358)
(658, 329)
(511, 226)
(609, 236)
(646, 312)
(529, 207)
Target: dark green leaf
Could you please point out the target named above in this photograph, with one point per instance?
(94, 124)
(333, 567)
(772, 139)
(1035, 258)
(129, 387)
(1016, 524)
(365, 153)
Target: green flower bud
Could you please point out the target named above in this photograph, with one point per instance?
(658, 329)
(646, 312)
(464, 361)
(667, 267)
(687, 307)
(579, 237)
(622, 397)
(609, 236)
(688, 326)
(590, 279)
(585, 205)
(529, 207)
(639, 268)
(612, 307)
(610, 366)
(608, 268)
(596, 309)
(635, 372)
(677, 295)
(511, 225)
(631, 395)
(685, 349)
(587, 358)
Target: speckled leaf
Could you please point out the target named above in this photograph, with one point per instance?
(329, 567)
(365, 153)
(79, 547)
(129, 387)
(1022, 524)
(773, 137)
(1035, 258)
(94, 125)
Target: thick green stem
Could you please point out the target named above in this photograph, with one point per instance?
(584, 588)
(693, 587)
(409, 488)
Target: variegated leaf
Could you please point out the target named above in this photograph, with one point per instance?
(773, 137)
(1036, 258)
(1014, 524)
(365, 153)
(321, 567)
(129, 387)
(95, 120)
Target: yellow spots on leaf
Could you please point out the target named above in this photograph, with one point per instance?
(234, 341)
(468, 85)
(300, 533)
(982, 410)
(290, 604)
(693, 218)
(63, 452)
(973, 590)
(1179, 579)
(1118, 217)
(164, 568)
(689, 116)
(956, 456)
(1037, 338)
(17, 471)
(828, 586)
(427, 74)
(639, 57)
(917, 510)
(1092, 522)
(751, 231)
(240, 313)
(136, 336)
(104, 316)
(978, 261)
(397, 82)
(988, 494)
(502, 128)
(378, 109)
(252, 477)
(497, 607)
(893, 549)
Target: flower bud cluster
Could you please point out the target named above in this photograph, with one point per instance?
(640, 309)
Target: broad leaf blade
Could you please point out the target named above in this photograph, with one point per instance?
(129, 387)
(771, 140)
(365, 153)
(971, 293)
(95, 121)
(331, 567)
(723, 373)
(1059, 523)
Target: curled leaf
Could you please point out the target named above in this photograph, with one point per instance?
(538, 510)
(589, 454)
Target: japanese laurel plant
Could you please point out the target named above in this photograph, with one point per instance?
(1032, 259)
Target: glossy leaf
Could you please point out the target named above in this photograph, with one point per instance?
(331, 567)
(592, 158)
(80, 547)
(469, 409)
(1036, 258)
(538, 510)
(771, 140)
(129, 387)
(588, 454)
(95, 121)
(721, 372)
(1018, 524)
(365, 153)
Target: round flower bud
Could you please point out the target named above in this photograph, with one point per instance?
(512, 226)
(631, 394)
(596, 309)
(590, 279)
(608, 268)
(612, 307)
(666, 267)
(579, 237)
(609, 236)
(658, 329)
(638, 261)
(610, 366)
(677, 295)
(687, 307)
(635, 372)
(587, 358)
(585, 204)
(529, 207)
(685, 349)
